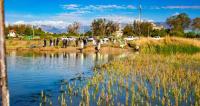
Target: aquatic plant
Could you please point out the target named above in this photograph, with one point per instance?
(145, 79)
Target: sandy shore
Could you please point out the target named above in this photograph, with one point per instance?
(106, 49)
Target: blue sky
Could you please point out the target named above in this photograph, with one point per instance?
(63, 12)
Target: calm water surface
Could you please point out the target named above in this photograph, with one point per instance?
(29, 73)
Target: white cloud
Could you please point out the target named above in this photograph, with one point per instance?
(60, 24)
(20, 22)
(96, 7)
(119, 19)
(175, 7)
(70, 6)
(177, 13)
(181, 7)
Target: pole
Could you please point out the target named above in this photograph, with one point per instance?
(3, 72)
(140, 15)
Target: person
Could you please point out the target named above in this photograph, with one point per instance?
(63, 42)
(45, 43)
(82, 45)
(85, 41)
(54, 42)
(50, 42)
(57, 41)
(98, 46)
(77, 42)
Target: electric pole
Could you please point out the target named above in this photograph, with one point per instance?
(3, 72)
(140, 15)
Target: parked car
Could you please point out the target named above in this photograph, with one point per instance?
(156, 37)
(105, 40)
(90, 39)
(71, 38)
(129, 38)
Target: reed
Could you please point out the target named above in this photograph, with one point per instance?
(145, 79)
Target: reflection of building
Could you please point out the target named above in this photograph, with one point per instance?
(12, 34)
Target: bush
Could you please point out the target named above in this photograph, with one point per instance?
(191, 35)
(177, 33)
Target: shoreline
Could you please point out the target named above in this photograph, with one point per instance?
(105, 49)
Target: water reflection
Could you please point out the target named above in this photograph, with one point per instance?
(31, 72)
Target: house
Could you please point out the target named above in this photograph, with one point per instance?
(12, 34)
(157, 27)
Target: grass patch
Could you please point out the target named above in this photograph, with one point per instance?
(172, 49)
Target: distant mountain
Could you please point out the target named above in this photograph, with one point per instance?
(84, 28)
(55, 29)
(164, 24)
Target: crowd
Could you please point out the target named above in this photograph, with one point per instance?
(64, 43)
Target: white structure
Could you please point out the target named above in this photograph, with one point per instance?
(119, 33)
(156, 27)
(12, 34)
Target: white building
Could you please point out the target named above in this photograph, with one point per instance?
(157, 27)
(12, 34)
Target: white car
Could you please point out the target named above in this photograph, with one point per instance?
(90, 39)
(71, 38)
(105, 40)
(129, 38)
(156, 38)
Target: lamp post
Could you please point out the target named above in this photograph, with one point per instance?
(3, 72)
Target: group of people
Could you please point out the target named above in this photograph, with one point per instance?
(52, 42)
(80, 42)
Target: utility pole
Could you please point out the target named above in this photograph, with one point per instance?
(140, 15)
(33, 30)
(3, 72)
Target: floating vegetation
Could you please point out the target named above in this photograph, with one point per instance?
(142, 80)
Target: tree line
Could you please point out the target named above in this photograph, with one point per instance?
(102, 27)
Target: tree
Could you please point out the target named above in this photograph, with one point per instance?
(28, 30)
(160, 33)
(99, 27)
(128, 30)
(3, 72)
(146, 28)
(111, 28)
(196, 23)
(88, 33)
(178, 22)
(142, 28)
(73, 28)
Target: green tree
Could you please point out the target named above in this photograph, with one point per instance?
(73, 29)
(99, 27)
(28, 31)
(88, 33)
(143, 28)
(128, 30)
(111, 28)
(196, 23)
(178, 23)
(146, 28)
(161, 33)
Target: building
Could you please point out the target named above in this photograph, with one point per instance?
(12, 34)
(157, 27)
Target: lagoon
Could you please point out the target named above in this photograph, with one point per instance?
(29, 73)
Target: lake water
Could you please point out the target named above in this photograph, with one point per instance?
(29, 73)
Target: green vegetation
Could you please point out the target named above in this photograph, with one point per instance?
(168, 45)
(144, 79)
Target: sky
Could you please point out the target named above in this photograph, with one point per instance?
(64, 12)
